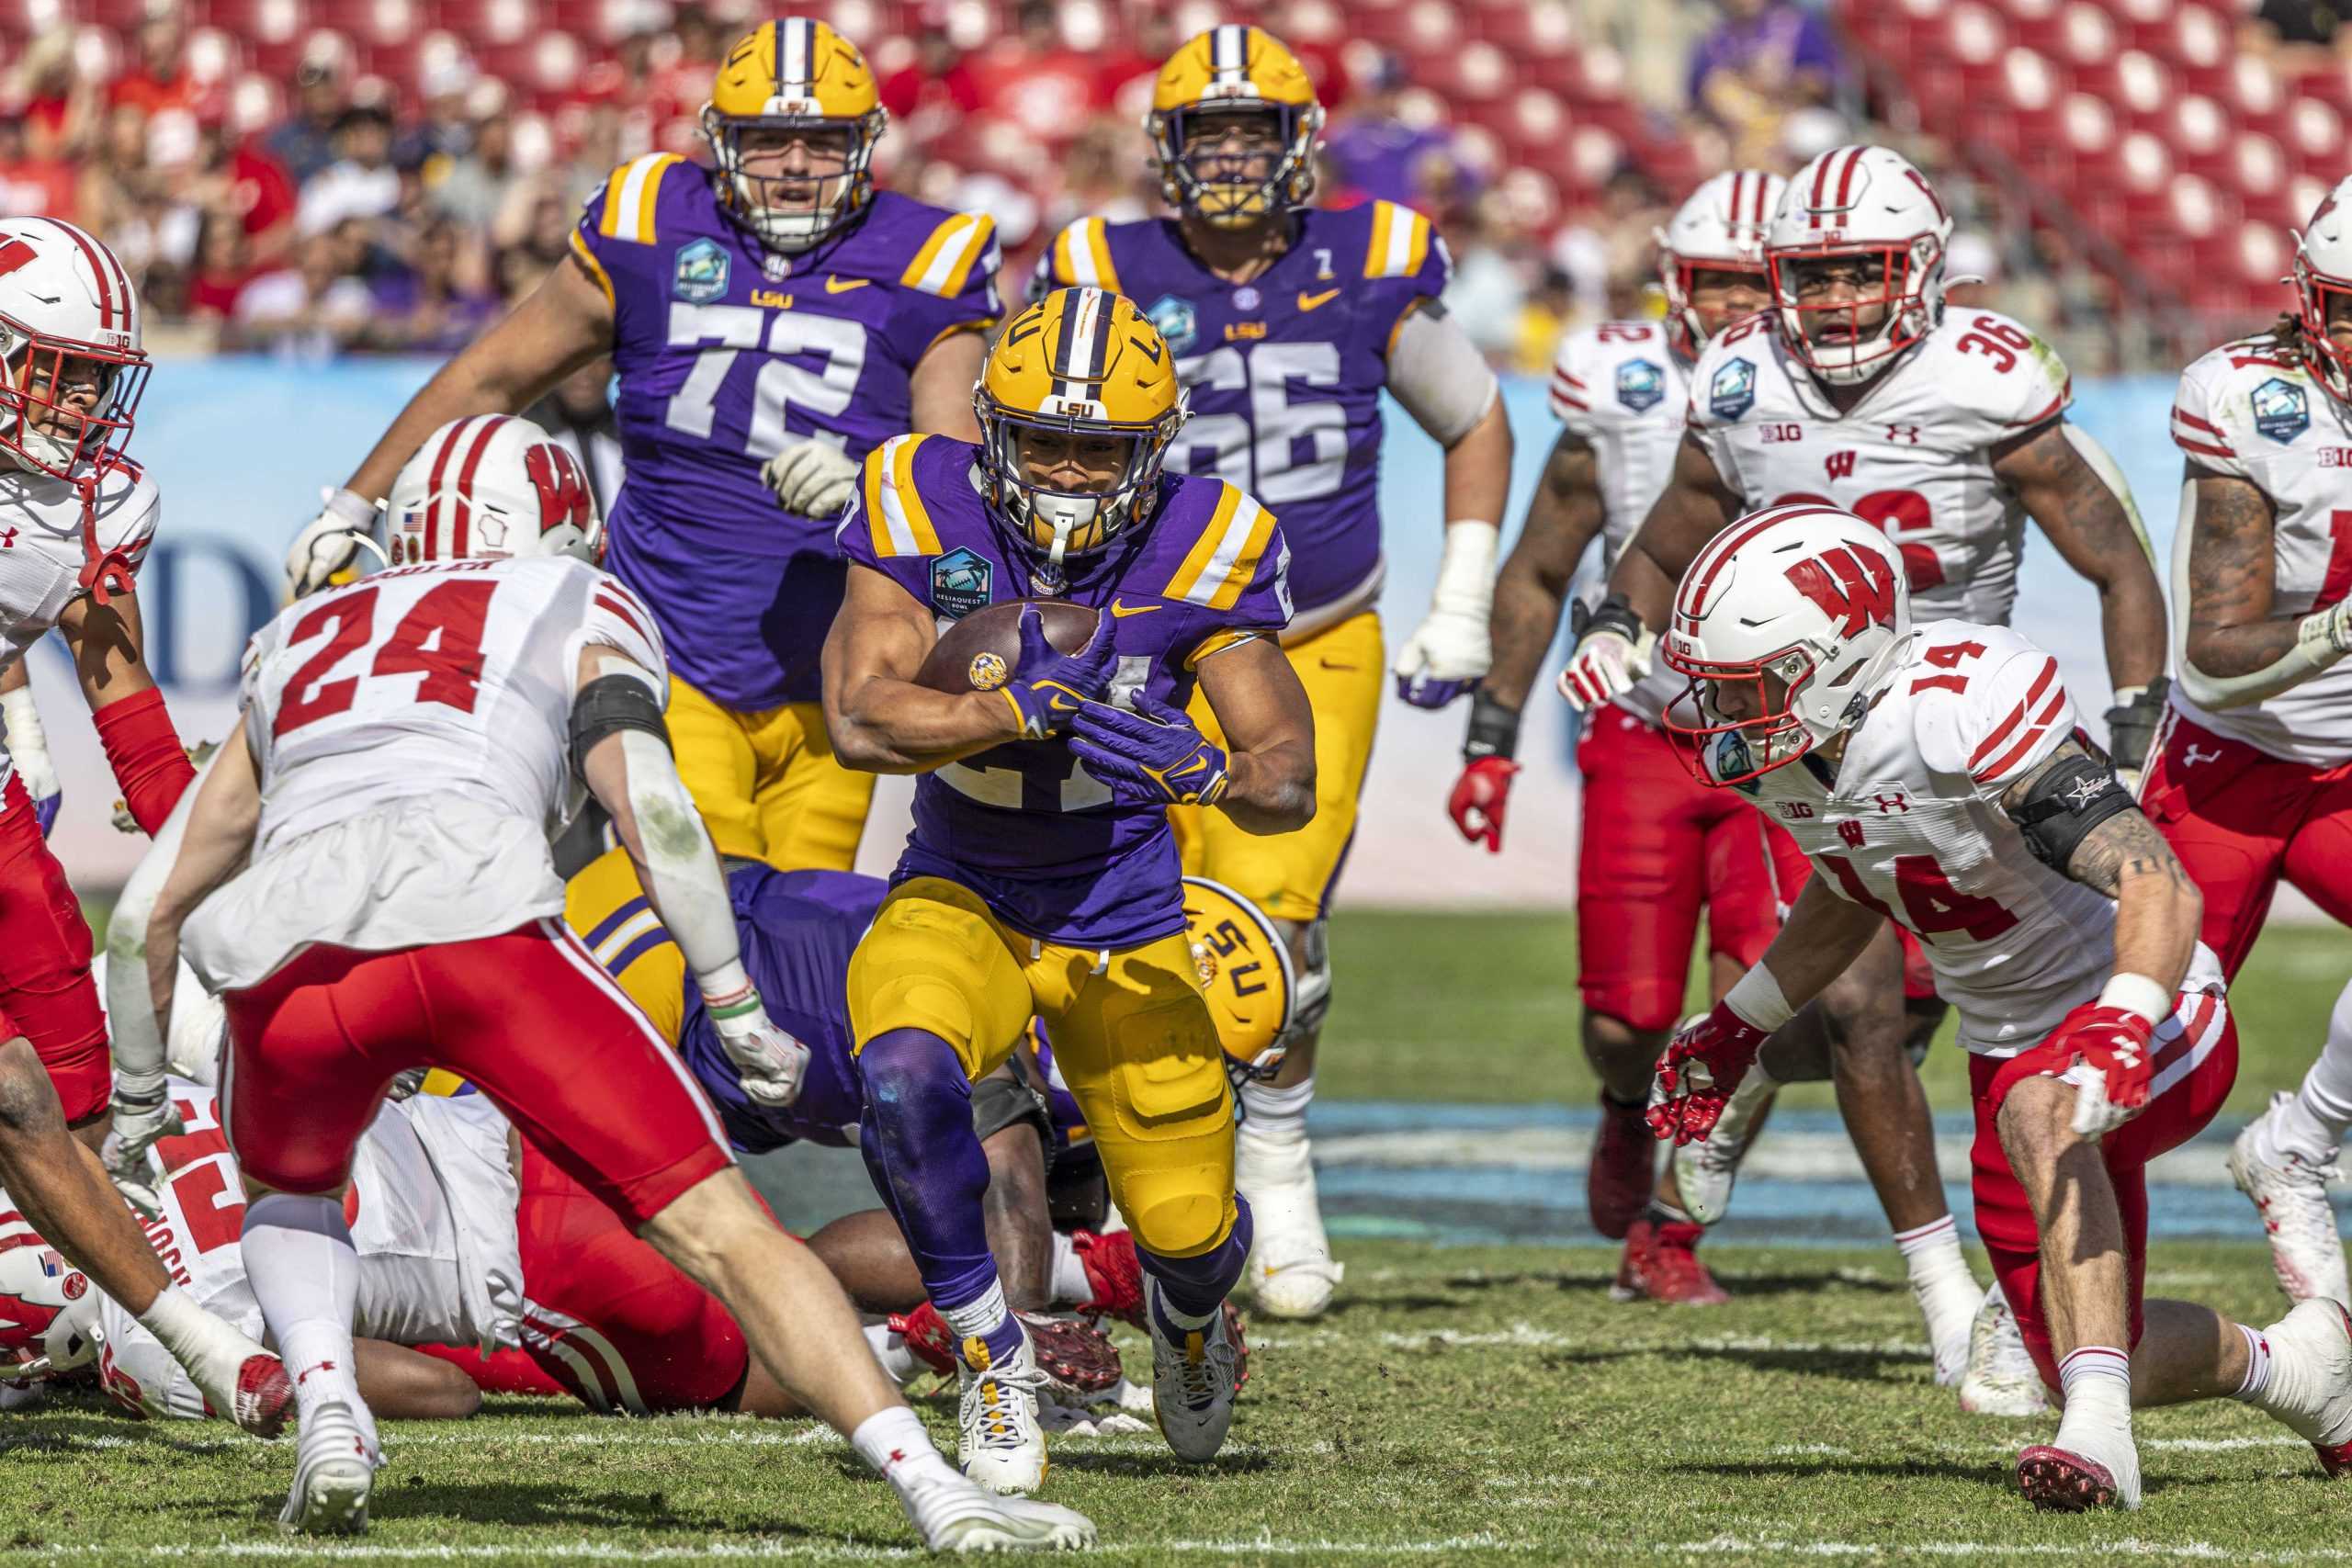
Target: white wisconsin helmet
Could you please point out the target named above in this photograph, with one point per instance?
(1809, 595)
(1866, 202)
(2323, 268)
(1720, 229)
(66, 306)
(48, 1307)
(491, 487)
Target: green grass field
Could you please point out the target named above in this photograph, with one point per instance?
(1465, 1404)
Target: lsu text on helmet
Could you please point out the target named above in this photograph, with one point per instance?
(1206, 94)
(1864, 211)
(1785, 626)
(71, 368)
(493, 487)
(2322, 282)
(1720, 229)
(1245, 972)
(805, 98)
(1082, 378)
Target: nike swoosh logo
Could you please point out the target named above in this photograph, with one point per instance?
(842, 286)
(1121, 611)
(1309, 301)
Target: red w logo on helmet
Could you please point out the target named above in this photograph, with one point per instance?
(563, 490)
(1857, 584)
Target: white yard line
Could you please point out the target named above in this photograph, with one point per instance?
(2129, 1546)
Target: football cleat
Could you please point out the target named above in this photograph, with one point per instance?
(1078, 1359)
(1703, 1170)
(2311, 1379)
(264, 1396)
(1113, 1274)
(999, 1444)
(929, 1339)
(1195, 1375)
(2062, 1481)
(2001, 1378)
(2306, 1252)
(1291, 1272)
(334, 1471)
(1661, 1263)
(1623, 1171)
(951, 1514)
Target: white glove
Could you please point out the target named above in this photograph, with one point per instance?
(28, 747)
(1452, 650)
(771, 1061)
(128, 1153)
(813, 478)
(1605, 666)
(2335, 631)
(326, 546)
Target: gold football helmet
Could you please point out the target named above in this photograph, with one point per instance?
(1246, 975)
(1080, 363)
(790, 74)
(1226, 70)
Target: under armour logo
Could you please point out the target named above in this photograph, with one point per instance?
(7, 539)
(1850, 830)
(2188, 758)
(1839, 464)
(1895, 802)
(305, 1377)
(2085, 791)
(1908, 433)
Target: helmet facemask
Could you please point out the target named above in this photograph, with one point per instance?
(1220, 186)
(1062, 522)
(1897, 301)
(1683, 278)
(751, 198)
(43, 423)
(2319, 297)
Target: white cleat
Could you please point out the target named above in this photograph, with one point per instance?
(1291, 1272)
(2306, 1252)
(2001, 1378)
(2311, 1379)
(1705, 1171)
(1193, 1378)
(998, 1443)
(951, 1514)
(334, 1470)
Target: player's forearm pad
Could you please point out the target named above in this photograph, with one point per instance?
(145, 752)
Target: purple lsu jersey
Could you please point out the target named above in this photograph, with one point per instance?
(1286, 371)
(1023, 825)
(726, 353)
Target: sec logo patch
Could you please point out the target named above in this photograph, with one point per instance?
(1733, 391)
(2281, 411)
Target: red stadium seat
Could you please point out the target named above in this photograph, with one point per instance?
(2086, 35)
(2315, 133)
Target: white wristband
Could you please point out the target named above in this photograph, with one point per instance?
(1465, 572)
(2137, 993)
(1756, 997)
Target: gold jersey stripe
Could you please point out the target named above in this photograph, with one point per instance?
(1401, 241)
(1082, 255)
(896, 520)
(595, 268)
(1225, 557)
(944, 263)
(629, 197)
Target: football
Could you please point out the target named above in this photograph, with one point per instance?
(979, 653)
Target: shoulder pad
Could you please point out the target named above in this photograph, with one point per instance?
(943, 265)
(1081, 255)
(897, 521)
(1225, 555)
(1399, 241)
(630, 195)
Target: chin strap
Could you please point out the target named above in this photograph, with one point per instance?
(105, 573)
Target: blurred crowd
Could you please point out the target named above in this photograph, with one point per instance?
(356, 207)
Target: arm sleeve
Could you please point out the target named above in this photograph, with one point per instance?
(1439, 376)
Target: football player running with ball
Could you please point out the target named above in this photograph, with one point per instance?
(1655, 847)
(363, 873)
(1041, 881)
(2252, 785)
(1288, 321)
(1948, 431)
(2058, 924)
(771, 321)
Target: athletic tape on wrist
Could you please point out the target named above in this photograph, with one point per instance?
(1756, 997)
(2137, 994)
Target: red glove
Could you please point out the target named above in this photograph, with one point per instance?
(2120, 1045)
(1479, 799)
(1722, 1045)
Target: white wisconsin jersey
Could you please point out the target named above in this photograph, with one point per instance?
(1913, 827)
(1913, 458)
(431, 1206)
(2253, 413)
(412, 736)
(1620, 388)
(41, 553)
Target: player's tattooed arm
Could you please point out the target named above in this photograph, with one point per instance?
(1695, 506)
(2233, 577)
(880, 721)
(1269, 736)
(1533, 584)
(2094, 531)
(2123, 856)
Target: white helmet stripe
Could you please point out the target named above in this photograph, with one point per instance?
(795, 37)
(1229, 53)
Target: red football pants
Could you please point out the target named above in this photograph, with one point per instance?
(1657, 847)
(2240, 820)
(528, 1016)
(46, 992)
(2196, 1061)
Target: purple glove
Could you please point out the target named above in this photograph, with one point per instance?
(1047, 687)
(45, 811)
(1150, 757)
